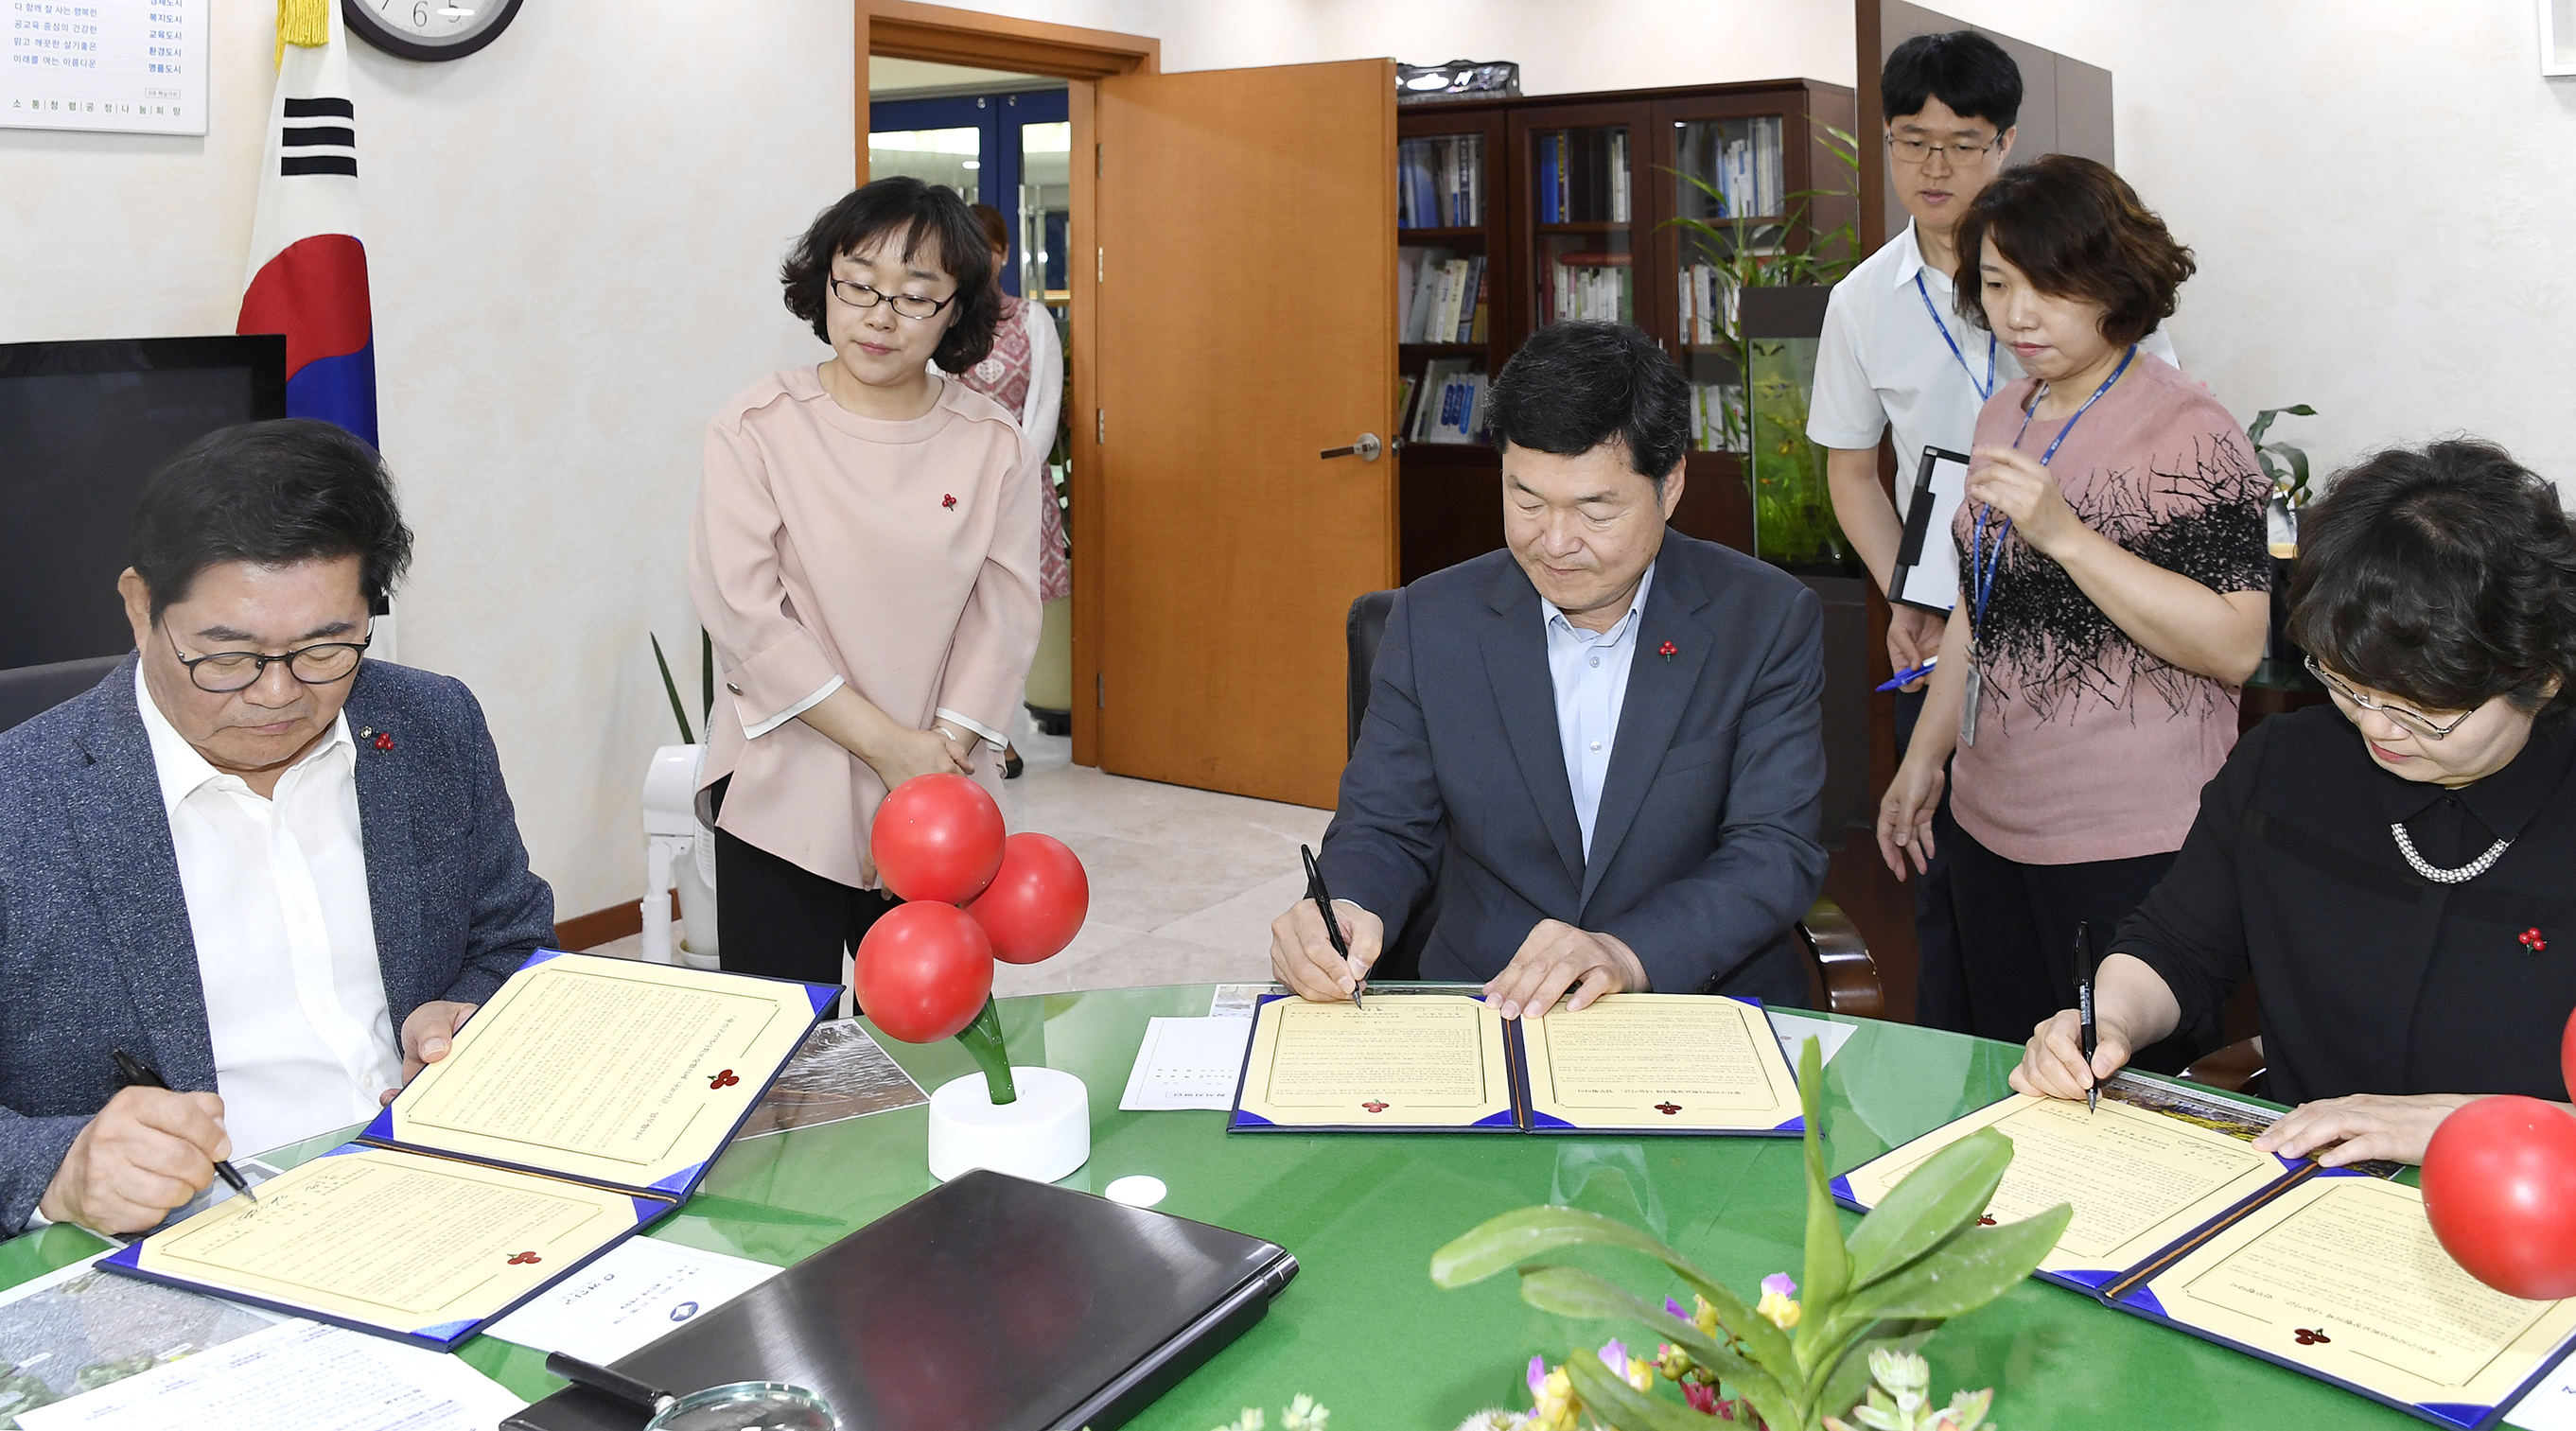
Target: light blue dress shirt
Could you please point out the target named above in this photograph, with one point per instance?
(1590, 671)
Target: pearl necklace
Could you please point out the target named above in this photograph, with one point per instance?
(2462, 875)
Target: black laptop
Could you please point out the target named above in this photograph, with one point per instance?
(990, 1303)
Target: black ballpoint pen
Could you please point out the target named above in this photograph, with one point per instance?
(2084, 1009)
(138, 1074)
(1332, 927)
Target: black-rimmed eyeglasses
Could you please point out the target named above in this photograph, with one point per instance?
(223, 672)
(1915, 151)
(906, 305)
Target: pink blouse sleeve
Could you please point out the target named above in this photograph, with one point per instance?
(770, 662)
(997, 634)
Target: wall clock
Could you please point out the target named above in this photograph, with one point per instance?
(428, 29)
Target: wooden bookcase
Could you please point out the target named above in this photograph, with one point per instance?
(1450, 507)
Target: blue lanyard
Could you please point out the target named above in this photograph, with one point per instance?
(1985, 389)
(1983, 573)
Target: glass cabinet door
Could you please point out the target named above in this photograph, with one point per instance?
(1583, 217)
(1444, 294)
(1729, 208)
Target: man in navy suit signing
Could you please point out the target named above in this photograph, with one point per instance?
(276, 872)
(1595, 758)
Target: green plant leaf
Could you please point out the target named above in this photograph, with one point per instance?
(1966, 1272)
(1941, 1196)
(1829, 1264)
(1504, 1241)
(1573, 1292)
(1846, 1381)
(671, 688)
(1614, 1403)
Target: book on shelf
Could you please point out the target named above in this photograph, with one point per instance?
(1718, 419)
(1440, 297)
(1742, 160)
(1708, 303)
(1404, 387)
(1592, 286)
(1583, 177)
(1440, 182)
(1451, 405)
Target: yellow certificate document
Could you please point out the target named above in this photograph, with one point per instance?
(609, 1070)
(398, 1242)
(2341, 1276)
(1680, 1063)
(2137, 1179)
(1410, 1061)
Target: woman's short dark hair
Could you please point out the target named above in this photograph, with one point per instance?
(926, 214)
(2445, 577)
(271, 494)
(2075, 230)
(1578, 384)
(1962, 69)
(997, 230)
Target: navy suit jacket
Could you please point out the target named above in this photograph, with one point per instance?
(95, 948)
(1704, 849)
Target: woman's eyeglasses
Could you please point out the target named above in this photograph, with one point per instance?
(2413, 720)
(906, 305)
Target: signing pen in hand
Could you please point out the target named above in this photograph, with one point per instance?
(1909, 675)
(1332, 926)
(2084, 1009)
(135, 1073)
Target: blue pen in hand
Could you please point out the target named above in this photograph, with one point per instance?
(1909, 675)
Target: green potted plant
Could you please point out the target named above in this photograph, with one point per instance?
(1802, 1356)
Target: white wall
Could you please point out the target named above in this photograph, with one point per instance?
(573, 238)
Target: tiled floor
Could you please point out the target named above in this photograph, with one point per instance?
(1184, 883)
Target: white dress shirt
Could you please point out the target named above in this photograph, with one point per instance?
(1882, 363)
(285, 934)
(1590, 672)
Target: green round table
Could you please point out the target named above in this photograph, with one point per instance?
(1363, 1330)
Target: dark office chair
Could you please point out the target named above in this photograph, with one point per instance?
(1841, 977)
(30, 691)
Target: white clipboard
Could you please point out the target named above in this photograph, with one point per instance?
(1927, 561)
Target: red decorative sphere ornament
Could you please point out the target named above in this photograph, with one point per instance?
(1036, 903)
(937, 839)
(924, 970)
(2500, 1188)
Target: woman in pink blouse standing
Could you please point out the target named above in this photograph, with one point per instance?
(865, 556)
(1025, 374)
(2115, 591)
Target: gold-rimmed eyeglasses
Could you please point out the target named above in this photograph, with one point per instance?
(2413, 720)
(1915, 151)
(321, 664)
(906, 305)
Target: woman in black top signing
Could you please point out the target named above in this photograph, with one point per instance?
(2392, 872)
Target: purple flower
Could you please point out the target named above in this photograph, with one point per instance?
(1537, 1375)
(1676, 1309)
(1615, 1356)
(1779, 1285)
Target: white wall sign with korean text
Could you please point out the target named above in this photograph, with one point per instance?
(129, 66)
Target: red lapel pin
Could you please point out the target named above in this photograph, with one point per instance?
(948, 502)
(2530, 939)
(1668, 650)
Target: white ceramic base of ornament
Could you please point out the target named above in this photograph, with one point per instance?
(1043, 1135)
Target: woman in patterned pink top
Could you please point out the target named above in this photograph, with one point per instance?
(1025, 374)
(2115, 592)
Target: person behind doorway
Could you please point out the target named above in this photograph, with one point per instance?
(2391, 872)
(1896, 355)
(865, 558)
(2115, 594)
(1025, 374)
(1604, 743)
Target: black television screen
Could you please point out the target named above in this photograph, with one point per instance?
(82, 426)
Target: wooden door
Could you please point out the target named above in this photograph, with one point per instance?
(1245, 261)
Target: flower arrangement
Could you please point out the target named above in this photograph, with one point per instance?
(1783, 1362)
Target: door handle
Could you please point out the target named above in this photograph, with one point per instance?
(1366, 449)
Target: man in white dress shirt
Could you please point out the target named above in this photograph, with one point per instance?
(275, 871)
(1896, 355)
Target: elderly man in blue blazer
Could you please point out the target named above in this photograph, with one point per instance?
(275, 873)
(1604, 743)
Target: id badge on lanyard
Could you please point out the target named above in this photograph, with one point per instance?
(1982, 574)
